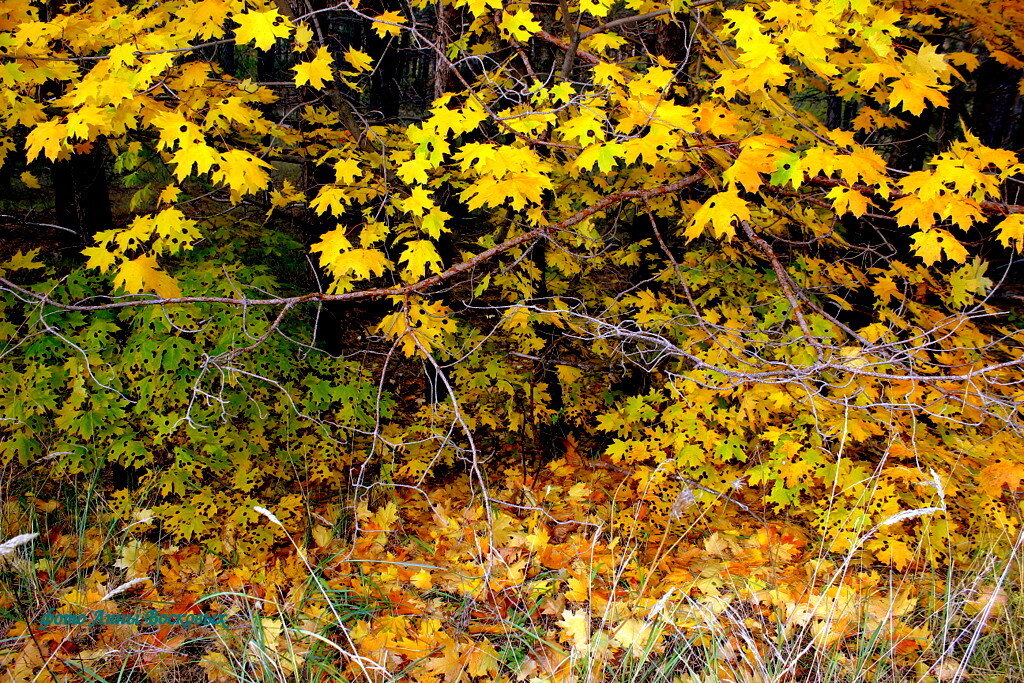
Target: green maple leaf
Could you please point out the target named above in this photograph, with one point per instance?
(790, 170)
(604, 156)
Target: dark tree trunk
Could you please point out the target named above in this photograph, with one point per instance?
(997, 115)
(443, 78)
(998, 107)
(15, 160)
(673, 40)
(997, 118)
(385, 94)
(332, 314)
(917, 144)
(839, 113)
(394, 88)
(81, 195)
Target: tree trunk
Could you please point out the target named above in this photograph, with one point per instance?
(81, 196)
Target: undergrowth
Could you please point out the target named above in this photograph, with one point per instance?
(440, 583)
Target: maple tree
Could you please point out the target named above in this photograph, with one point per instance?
(714, 281)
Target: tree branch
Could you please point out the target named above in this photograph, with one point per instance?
(588, 57)
(379, 292)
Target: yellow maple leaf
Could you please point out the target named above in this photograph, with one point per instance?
(359, 60)
(1007, 59)
(515, 189)
(384, 519)
(927, 61)
(449, 664)
(930, 244)
(845, 200)
(232, 109)
(585, 128)
(606, 73)
(746, 170)
(575, 625)
(47, 138)
(910, 93)
(389, 23)
(633, 634)
(420, 257)
(419, 328)
(519, 25)
(80, 122)
(143, 274)
(175, 129)
(597, 8)
(433, 224)
(345, 263)
(316, 71)
(885, 289)
(443, 120)
(204, 19)
(394, 326)
(414, 171)
(894, 551)
(99, 257)
(22, 261)
(172, 231)
(912, 209)
(721, 210)
(482, 660)
(263, 28)
(962, 211)
(602, 42)
(346, 171)
(875, 72)
(330, 197)
(421, 580)
(1002, 473)
(478, 7)
(604, 156)
(303, 37)
(1011, 231)
(332, 242)
(193, 158)
(169, 194)
(242, 172)
(463, 661)
(418, 202)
